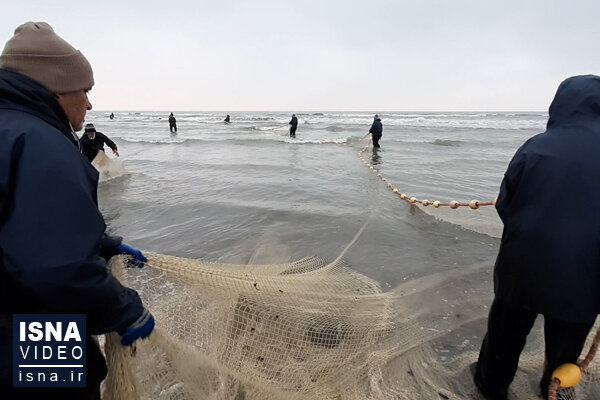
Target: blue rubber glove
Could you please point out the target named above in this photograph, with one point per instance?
(137, 258)
(140, 329)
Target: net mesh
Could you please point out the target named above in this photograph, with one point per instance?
(309, 330)
(107, 168)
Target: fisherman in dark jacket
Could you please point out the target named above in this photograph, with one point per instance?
(549, 258)
(376, 130)
(172, 123)
(93, 141)
(293, 125)
(53, 244)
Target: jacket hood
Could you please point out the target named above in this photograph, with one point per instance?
(577, 97)
(21, 93)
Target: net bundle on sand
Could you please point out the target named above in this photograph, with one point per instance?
(307, 330)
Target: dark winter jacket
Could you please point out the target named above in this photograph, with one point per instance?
(90, 147)
(172, 122)
(549, 258)
(51, 231)
(376, 129)
(294, 122)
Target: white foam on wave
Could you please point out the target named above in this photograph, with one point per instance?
(171, 140)
(316, 141)
(270, 128)
(285, 138)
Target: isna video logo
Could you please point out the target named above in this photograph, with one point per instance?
(49, 350)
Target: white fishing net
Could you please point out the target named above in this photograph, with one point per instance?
(108, 168)
(309, 330)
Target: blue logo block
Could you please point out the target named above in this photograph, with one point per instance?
(49, 350)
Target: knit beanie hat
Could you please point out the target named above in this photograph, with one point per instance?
(90, 128)
(38, 52)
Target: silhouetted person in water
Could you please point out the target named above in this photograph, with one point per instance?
(376, 130)
(172, 123)
(293, 125)
(226, 120)
(112, 116)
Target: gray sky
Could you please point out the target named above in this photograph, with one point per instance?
(419, 55)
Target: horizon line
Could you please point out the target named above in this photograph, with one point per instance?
(321, 111)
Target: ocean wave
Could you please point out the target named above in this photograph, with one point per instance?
(314, 141)
(483, 121)
(443, 142)
(248, 118)
(268, 128)
(154, 141)
(285, 138)
(244, 138)
(335, 128)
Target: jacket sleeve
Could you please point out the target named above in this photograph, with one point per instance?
(108, 246)
(8, 171)
(109, 142)
(510, 182)
(372, 129)
(53, 233)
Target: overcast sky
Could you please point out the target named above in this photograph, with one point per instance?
(418, 55)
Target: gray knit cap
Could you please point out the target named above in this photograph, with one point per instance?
(38, 52)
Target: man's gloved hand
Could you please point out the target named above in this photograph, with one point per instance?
(137, 258)
(140, 329)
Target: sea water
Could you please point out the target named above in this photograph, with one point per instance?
(247, 193)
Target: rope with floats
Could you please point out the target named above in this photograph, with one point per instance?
(473, 204)
(566, 375)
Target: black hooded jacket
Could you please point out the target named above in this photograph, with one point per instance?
(549, 258)
(51, 231)
(294, 122)
(376, 129)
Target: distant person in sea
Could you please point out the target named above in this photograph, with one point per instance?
(93, 141)
(112, 116)
(293, 125)
(376, 130)
(549, 257)
(226, 120)
(172, 123)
